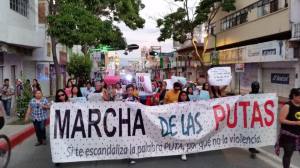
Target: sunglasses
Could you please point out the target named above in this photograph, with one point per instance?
(60, 95)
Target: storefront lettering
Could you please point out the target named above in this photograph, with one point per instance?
(280, 78)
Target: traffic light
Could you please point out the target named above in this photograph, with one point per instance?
(153, 53)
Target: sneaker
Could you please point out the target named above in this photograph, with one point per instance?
(253, 150)
(183, 157)
(38, 144)
(132, 162)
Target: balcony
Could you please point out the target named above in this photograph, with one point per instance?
(296, 32)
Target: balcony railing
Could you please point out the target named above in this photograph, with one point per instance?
(296, 31)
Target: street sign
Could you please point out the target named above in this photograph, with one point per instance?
(239, 67)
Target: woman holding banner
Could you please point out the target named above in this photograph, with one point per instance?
(183, 97)
(75, 92)
(289, 138)
(61, 96)
(131, 98)
(69, 87)
(190, 90)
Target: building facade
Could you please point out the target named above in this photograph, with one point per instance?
(25, 48)
(263, 36)
(188, 64)
(22, 42)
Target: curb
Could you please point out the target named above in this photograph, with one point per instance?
(271, 159)
(21, 136)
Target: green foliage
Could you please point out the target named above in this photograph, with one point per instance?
(118, 10)
(75, 25)
(181, 23)
(23, 101)
(80, 66)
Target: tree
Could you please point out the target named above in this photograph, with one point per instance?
(180, 24)
(23, 100)
(75, 25)
(80, 67)
(90, 22)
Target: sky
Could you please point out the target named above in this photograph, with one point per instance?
(154, 9)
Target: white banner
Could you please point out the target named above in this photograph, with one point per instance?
(118, 130)
(219, 76)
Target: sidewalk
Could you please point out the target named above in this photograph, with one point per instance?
(17, 133)
(268, 152)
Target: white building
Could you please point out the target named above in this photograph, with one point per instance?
(22, 43)
(25, 48)
(265, 37)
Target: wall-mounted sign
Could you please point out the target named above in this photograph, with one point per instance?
(280, 78)
(239, 67)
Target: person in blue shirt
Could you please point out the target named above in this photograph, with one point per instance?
(38, 107)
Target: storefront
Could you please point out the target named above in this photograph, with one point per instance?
(271, 63)
(278, 80)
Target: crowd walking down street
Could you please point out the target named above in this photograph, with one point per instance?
(150, 83)
(38, 109)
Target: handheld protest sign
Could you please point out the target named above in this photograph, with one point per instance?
(219, 76)
(143, 83)
(169, 84)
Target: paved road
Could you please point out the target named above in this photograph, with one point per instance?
(27, 155)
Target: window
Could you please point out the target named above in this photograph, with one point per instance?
(20, 6)
(212, 28)
(234, 19)
(265, 7)
(273, 6)
(262, 7)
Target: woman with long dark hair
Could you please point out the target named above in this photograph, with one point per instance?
(183, 96)
(289, 118)
(68, 87)
(205, 86)
(35, 86)
(61, 96)
(190, 90)
(75, 92)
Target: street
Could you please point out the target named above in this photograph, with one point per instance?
(27, 155)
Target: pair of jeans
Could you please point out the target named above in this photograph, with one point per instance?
(40, 130)
(288, 153)
(7, 106)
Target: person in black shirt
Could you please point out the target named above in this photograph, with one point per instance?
(254, 90)
(289, 118)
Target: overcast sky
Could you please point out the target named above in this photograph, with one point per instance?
(147, 36)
